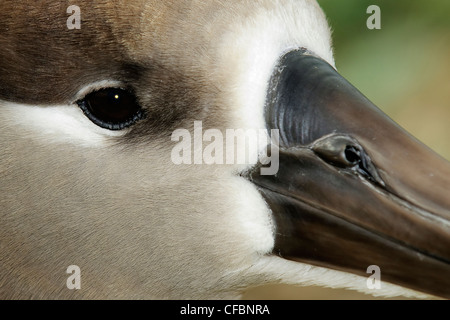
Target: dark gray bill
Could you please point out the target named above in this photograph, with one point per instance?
(353, 188)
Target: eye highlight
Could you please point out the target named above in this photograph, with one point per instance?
(111, 108)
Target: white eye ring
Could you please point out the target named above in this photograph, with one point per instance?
(95, 86)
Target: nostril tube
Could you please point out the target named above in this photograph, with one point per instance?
(352, 155)
(339, 150)
(345, 152)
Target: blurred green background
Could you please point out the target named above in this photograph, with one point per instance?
(404, 68)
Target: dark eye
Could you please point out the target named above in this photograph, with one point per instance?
(112, 108)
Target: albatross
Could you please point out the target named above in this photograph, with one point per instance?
(88, 181)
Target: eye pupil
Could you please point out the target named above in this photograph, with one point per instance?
(112, 108)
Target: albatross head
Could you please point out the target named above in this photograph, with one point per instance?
(89, 176)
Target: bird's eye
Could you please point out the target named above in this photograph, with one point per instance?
(112, 108)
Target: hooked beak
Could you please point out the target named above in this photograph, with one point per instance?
(353, 188)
